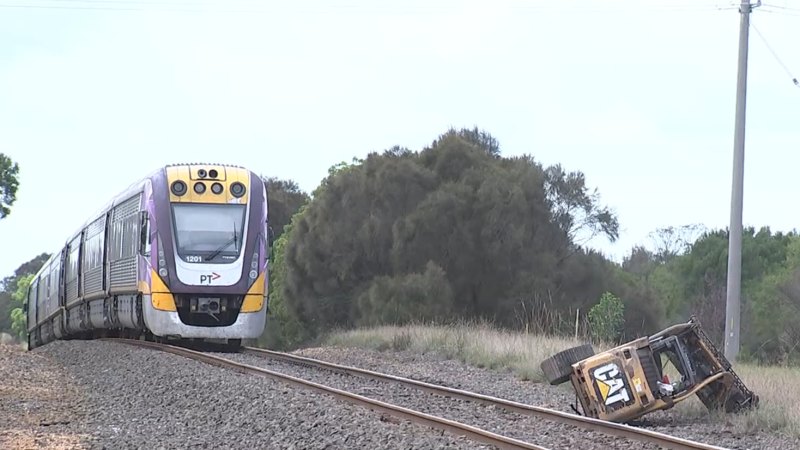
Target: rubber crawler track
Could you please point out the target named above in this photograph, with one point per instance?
(457, 428)
(610, 428)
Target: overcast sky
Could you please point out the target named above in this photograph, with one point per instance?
(639, 95)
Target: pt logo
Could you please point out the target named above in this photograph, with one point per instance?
(208, 278)
(611, 384)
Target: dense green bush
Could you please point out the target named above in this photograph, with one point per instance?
(606, 318)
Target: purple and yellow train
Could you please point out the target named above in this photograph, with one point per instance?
(181, 254)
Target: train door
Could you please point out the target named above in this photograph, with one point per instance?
(32, 306)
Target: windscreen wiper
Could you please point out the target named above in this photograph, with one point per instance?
(233, 240)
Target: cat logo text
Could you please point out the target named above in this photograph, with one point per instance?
(611, 385)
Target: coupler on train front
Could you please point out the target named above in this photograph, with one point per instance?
(629, 381)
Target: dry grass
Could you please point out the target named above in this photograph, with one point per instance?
(484, 346)
(779, 400)
(477, 345)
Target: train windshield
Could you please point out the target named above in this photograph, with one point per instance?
(208, 232)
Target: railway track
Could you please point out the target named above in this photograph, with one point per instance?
(458, 428)
(476, 433)
(611, 428)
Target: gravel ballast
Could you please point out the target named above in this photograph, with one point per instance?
(94, 394)
(127, 397)
(433, 369)
(530, 429)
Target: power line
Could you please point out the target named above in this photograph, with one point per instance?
(134, 5)
(786, 8)
(781, 13)
(777, 58)
(151, 2)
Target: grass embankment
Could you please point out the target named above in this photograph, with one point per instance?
(484, 346)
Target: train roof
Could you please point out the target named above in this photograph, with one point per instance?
(133, 188)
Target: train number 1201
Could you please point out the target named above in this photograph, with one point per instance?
(194, 258)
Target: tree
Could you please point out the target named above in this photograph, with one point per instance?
(344, 236)
(5, 311)
(481, 139)
(606, 318)
(771, 311)
(640, 262)
(9, 286)
(453, 217)
(28, 267)
(576, 209)
(284, 199)
(673, 241)
(407, 298)
(9, 171)
(18, 319)
(691, 280)
(284, 330)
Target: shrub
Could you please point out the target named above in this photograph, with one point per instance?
(606, 319)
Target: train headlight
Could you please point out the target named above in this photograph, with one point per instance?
(237, 189)
(178, 188)
(217, 188)
(162, 261)
(254, 267)
(199, 187)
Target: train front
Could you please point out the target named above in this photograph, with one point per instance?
(208, 256)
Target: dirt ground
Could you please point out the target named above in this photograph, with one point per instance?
(37, 400)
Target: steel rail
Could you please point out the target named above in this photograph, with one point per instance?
(457, 428)
(612, 428)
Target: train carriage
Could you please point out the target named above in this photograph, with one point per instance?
(183, 253)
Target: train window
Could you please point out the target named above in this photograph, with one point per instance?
(212, 231)
(145, 237)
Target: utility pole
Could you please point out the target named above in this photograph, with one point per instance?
(733, 303)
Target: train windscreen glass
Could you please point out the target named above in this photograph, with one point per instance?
(208, 233)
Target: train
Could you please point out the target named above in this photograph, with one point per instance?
(180, 255)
